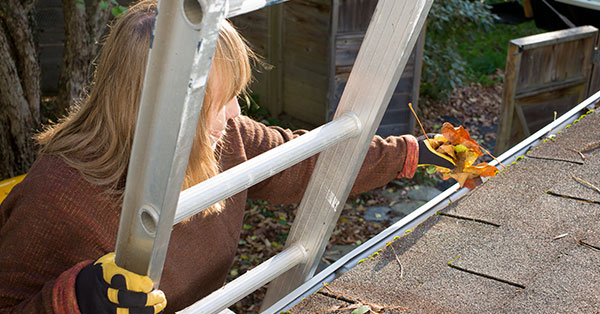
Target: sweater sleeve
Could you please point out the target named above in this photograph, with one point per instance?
(386, 159)
(49, 228)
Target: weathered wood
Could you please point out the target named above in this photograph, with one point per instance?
(318, 46)
(513, 66)
(527, 10)
(347, 46)
(551, 38)
(543, 88)
(539, 109)
(355, 15)
(275, 59)
(594, 85)
(545, 73)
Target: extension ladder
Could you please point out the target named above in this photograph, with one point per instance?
(180, 56)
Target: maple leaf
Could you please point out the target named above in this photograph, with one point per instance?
(457, 144)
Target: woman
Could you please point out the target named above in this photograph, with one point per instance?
(65, 214)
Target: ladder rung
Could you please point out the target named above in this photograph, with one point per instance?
(250, 281)
(195, 199)
(239, 7)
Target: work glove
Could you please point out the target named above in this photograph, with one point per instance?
(428, 155)
(103, 287)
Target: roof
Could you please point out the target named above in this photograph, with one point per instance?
(526, 240)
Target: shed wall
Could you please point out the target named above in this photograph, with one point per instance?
(317, 46)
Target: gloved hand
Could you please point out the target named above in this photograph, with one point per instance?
(104, 287)
(428, 155)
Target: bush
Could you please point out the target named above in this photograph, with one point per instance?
(450, 23)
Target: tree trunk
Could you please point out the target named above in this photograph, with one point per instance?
(83, 28)
(19, 88)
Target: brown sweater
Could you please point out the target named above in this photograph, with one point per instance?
(55, 222)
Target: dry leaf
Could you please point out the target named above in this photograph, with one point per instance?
(458, 145)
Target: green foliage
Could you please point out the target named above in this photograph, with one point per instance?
(251, 108)
(484, 52)
(116, 11)
(463, 44)
(80, 4)
(450, 22)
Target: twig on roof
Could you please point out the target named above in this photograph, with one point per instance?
(580, 242)
(398, 260)
(573, 197)
(469, 219)
(560, 236)
(338, 308)
(486, 276)
(590, 146)
(580, 180)
(339, 295)
(376, 308)
(498, 161)
(577, 151)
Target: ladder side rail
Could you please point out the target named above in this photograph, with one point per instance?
(232, 181)
(392, 33)
(250, 281)
(171, 101)
(239, 7)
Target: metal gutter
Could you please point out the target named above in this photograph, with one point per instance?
(438, 203)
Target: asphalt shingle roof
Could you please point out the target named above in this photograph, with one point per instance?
(539, 253)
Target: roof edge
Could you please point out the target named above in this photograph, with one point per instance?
(438, 203)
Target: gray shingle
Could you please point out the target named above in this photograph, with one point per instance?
(559, 275)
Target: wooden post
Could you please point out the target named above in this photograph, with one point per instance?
(513, 65)
(527, 9)
(275, 59)
(594, 84)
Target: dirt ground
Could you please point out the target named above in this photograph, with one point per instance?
(266, 226)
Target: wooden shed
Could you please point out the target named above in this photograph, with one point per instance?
(311, 46)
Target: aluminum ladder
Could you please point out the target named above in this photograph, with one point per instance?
(180, 56)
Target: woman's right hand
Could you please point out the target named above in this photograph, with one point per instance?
(104, 287)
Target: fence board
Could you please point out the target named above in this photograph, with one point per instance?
(545, 73)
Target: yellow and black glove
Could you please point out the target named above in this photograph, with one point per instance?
(428, 155)
(103, 287)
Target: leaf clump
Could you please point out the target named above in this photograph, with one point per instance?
(456, 143)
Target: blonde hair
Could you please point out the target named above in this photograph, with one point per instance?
(96, 137)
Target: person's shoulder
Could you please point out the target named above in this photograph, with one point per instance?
(52, 185)
(51, 174)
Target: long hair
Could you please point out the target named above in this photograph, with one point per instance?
(96, 137)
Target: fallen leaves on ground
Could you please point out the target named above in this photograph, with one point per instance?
(266, 227)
